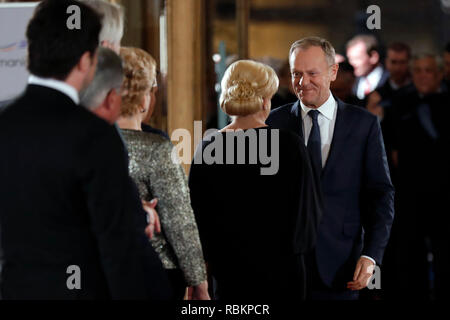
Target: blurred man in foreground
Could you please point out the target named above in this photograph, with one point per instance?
(72, 227)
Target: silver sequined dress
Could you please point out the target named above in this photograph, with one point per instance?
(156, 176)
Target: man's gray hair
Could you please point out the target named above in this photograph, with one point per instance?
(423, 55)
(108, 76)
(112, 22)
(308, 42)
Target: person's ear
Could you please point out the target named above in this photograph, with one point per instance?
(333, 71)
(85, 62)
(266, 103)
(145, 104)
(110, 100)
(374, 57)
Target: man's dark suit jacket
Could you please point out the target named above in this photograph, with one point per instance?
(358, 193)
(66, 199)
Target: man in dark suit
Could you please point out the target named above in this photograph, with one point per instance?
(397, 64)
(421, 138)
(347, 153)
(72, 222)
(399, 83)
(364, 55)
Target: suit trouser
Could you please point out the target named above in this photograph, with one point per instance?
(316, 289)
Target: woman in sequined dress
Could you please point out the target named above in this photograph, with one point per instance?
(157, 176)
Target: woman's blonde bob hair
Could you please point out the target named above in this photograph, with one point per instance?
(244, 85)
(139, 77)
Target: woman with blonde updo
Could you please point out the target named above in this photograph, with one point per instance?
(247, 88)
(157, 176)
(253, 193)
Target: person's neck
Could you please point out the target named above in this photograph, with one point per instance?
(74, 83)
(76, 80)
(130, 123)
(401, 82)
(246, 122)
(429, 93)
(372, 70)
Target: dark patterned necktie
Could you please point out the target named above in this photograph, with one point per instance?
(314, 144)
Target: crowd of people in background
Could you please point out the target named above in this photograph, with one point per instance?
(410, 96)
(86, 182)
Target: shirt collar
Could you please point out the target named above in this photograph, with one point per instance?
(394, 85)
(58, 85)
(327, 109)
(375, 76)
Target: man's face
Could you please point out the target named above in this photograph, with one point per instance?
(447, 65)
(311, 75)
(426, 75)
(360, 60)
(397, 65)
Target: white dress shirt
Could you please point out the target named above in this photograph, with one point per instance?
(58, 85)
(373, 78)
(326, 120)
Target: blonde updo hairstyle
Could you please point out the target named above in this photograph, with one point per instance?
(244, 85)
(139, 77)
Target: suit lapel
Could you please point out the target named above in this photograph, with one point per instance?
(383, 79)
(295, 120)
(341, 130)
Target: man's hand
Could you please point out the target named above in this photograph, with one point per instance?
(373, 104)
(152, 217)
(363, 273)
